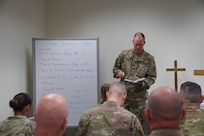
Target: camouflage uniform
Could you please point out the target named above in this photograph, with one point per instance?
(194, 122)
(136, 66)
(167, 132)
(109, 119)
(17, 126)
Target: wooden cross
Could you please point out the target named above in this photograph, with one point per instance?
(199, 72)
(175, 69)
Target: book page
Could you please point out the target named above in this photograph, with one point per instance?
(134, 81)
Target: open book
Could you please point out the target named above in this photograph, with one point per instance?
(135, 81)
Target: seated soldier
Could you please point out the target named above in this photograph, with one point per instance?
(193, 125)
(164, 112)
(19, 124)
(110, 118)
(51, 115)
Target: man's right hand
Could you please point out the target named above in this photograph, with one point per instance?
(121, 74)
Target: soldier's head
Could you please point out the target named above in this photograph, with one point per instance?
(138, 42)
(191, 93)
(104, 88)
(117, 92)
(51, 115)
(21, 104)
(164, 107)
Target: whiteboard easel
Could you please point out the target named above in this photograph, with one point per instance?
(68, 67)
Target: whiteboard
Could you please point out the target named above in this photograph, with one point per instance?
(68, 67)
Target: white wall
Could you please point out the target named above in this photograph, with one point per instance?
(20, 20)
(174, 30)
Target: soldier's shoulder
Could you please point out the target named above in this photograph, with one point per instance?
(93, 110)
(194, 122)
(18, 126)
(128, 51)
(201, 112)
(170, 132)
(147, 54)
(129, 114)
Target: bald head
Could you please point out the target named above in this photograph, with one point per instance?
(164, 107)
(165, 103)
(52, 114)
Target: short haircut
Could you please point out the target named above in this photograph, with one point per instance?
(118, 89)
(141, 34)
(165, 108)
(191, 92)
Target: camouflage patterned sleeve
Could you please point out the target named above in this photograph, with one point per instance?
(82, 129)
(30, 129)
(118, 62)
(137, 127)
(151, 72)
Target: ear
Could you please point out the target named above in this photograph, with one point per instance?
(64, 124)
(124, 97)
(28, 107)
(100, 95)
(201, 99)
(106, 94)
(147, 114)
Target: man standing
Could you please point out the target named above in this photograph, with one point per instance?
(134, 64)
(193, 124)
